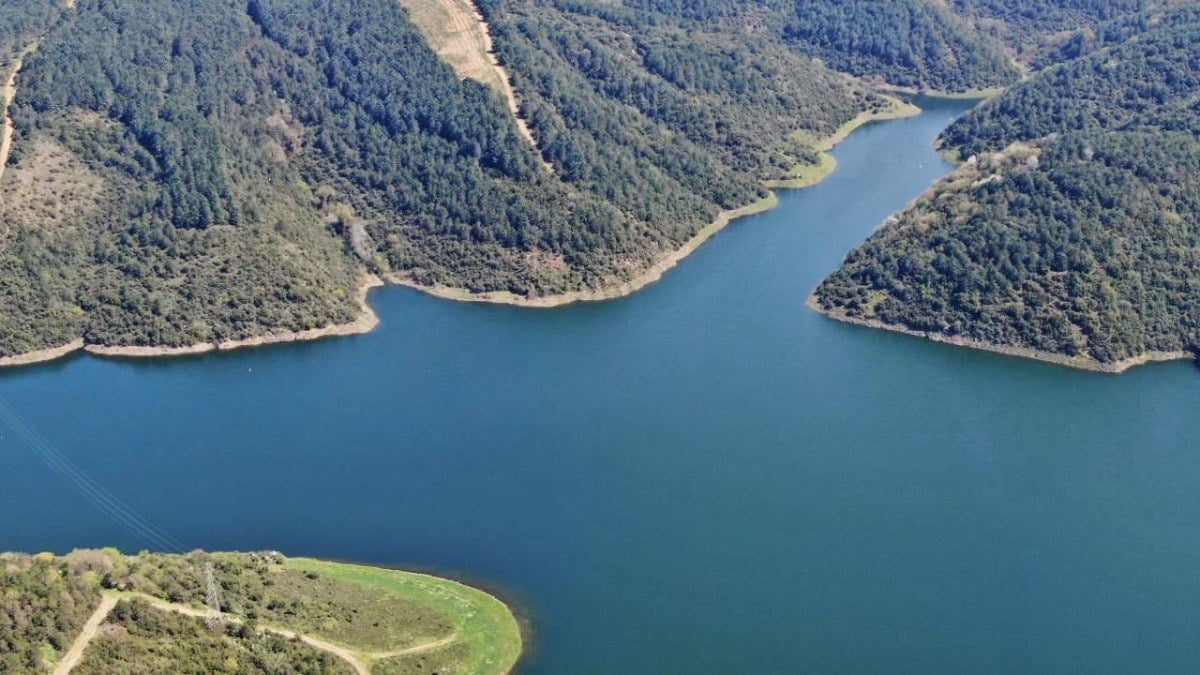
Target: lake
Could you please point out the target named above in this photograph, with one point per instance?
(705, 477)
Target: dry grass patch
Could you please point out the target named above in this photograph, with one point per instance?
(457, 32)
(50, 188)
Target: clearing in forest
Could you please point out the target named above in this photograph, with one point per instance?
(458, 33)
(7, 93)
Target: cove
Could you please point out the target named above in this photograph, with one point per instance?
(704, 477)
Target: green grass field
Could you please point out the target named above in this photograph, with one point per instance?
(488, 637)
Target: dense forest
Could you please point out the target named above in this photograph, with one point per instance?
(22, 22)
(208, 170)
(910, 43)
(199, 171)
(1021, 23)
(1073, 230)
(1109, 89)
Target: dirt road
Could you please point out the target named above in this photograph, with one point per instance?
(71, 659)
(460, 35)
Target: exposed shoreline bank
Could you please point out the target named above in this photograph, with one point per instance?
(652, 274)
(810, 176)
(366, 322)
(898, 110)
(368, 319)
(41, 355)
(1078, 363)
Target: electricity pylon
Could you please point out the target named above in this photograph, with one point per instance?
(213, 598)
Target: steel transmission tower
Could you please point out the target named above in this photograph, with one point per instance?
(212, 597)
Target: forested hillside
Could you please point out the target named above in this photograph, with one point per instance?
(910, 43)
(1075, 228)
(203, 171)
(1111, 89)
(44, 606)
(209, 170)
(21, 23)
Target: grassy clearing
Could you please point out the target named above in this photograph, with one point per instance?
(358, 616)
(807, 175)
(454, 30)
(488, 636)
(443, 660)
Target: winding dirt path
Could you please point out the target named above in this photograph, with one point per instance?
(459, 34)
(340, 652)
(359, 661)
(7, 93)
(416, 649)
(71, 659)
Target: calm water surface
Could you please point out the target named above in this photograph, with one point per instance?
(705, 477)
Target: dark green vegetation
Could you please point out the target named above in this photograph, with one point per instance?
(197, 171)
(1120, 87)
(1076, 229)
(1028, 27)
(149, 198)
(375, 615)
(21, 23)
(211, 170)
(911, 43)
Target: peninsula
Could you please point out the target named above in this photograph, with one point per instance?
(101, 612)
(1068, 234)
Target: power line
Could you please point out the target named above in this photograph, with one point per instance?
(85, 486)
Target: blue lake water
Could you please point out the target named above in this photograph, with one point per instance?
(705, 477)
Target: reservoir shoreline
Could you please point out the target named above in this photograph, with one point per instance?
(1078, 363)
(368, 320)
(517, 605)
(898, 110)
(365, 323)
